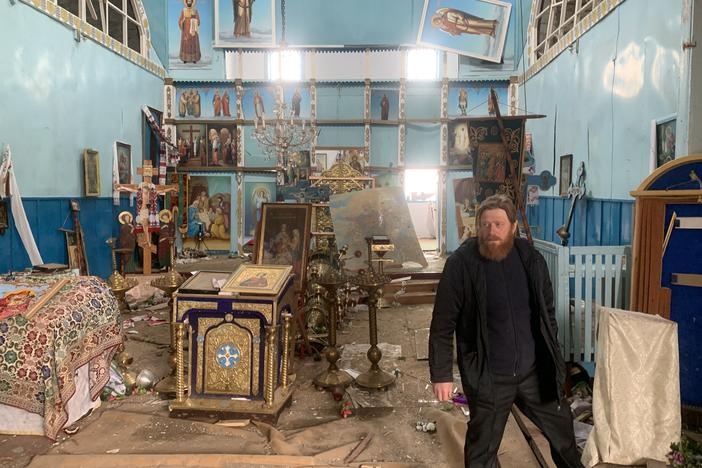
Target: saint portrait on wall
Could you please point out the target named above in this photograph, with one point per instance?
(189, 38)
(459, 144)
(385, 104)
(245, 23)
(475, 28)
(255, 195)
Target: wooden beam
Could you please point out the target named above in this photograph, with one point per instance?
(205, 460)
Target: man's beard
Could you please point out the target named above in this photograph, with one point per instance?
(498, 252)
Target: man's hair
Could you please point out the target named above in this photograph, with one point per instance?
(498, 202)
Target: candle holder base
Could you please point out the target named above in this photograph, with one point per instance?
(332, 378)
(375, 378)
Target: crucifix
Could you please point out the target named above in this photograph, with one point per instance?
(576, 191)
(147, 210)
(192, 134)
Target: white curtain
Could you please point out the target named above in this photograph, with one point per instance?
(9, 188)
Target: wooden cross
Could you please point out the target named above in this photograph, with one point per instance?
(146, 187)
(191, 132)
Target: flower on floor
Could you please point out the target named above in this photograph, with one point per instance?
(685, 454)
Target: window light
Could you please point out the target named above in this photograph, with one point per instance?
(290, 61)
(422, 64)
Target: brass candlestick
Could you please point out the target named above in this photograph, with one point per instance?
(332, 377)
(118, 283)
(371, 282)
(169, 283)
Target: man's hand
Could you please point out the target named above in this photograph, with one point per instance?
(443, 390)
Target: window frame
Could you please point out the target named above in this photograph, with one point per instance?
(558, 18)
(107, 8)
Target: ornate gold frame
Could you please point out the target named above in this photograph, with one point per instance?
(91, 170)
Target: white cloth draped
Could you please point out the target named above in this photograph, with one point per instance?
(9, 188)
(636, 396)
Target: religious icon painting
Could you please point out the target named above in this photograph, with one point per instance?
(465, 206)
(459, 150)
(565, 174)
(665, 140)
(297, 100)
(91, 173)
(221, 152)
(472, 99)
(475, 28)
(123, 154)
(261, 279)
(258, 103)
(298, 164)
(193, 146)
(356, 158)
(190, 102)
(318, 162)
(491, 165)
(284, 237)
(244, 23)
(190, 34)
(222, 104)
(324, 159)
(255, 195)
(209, 213)
(385, 104)
(461, 98)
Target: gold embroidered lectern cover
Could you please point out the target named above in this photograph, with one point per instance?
(636, 396)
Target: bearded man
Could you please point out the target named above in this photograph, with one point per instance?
(495, 296)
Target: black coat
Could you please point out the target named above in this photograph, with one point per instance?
(461, 308)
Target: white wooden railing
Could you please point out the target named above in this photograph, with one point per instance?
(584, 277)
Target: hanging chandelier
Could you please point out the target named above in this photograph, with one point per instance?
(286, 132)
(283, 135)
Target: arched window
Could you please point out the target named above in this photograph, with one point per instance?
(553, 19)
(117, 18)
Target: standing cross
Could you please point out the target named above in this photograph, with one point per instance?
(146, 209)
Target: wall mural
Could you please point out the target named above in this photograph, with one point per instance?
(255, 195)
(190, 34)
(206, 147)
(297, 99)
(209, 213)
(472, 99)
(476, 28)
(206, 103)
(385, 104)
(258, 102)
(244, 23)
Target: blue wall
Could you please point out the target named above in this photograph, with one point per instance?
(60, 97)
(47, 215)
(600, 97)
(595, 221)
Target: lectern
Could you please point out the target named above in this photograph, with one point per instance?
(238, 343)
